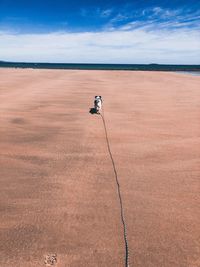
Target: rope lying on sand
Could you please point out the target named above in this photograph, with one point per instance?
(119, 195)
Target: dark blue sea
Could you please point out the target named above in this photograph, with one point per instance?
(82, 66)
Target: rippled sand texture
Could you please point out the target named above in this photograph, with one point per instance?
(58, 195)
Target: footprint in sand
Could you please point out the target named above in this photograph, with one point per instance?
(50, 260)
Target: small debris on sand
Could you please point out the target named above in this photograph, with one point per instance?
(50, 259)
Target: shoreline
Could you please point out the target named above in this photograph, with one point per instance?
(88, 66)
(187, 73)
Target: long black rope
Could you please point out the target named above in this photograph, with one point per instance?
(119, 195)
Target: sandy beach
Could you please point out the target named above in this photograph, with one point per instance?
(58, 192)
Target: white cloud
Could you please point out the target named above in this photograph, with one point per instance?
(95, 12)
(157, 15)
(106, 13)
(164, 13)
(181, 46)
(157, 10)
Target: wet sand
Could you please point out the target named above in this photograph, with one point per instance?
(57, 187)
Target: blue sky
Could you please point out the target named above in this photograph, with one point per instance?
(100, 31)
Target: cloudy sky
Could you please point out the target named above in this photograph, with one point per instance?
(91, 31)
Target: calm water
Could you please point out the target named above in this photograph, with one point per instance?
(134, 67)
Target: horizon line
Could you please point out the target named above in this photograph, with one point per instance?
(93, 63)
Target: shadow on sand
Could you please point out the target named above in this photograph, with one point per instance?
(93, 111)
